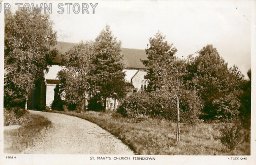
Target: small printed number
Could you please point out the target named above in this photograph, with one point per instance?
(10, 157)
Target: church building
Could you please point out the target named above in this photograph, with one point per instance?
(43, 94)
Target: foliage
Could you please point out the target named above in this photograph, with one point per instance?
(231, 135)
(217, 85)
(158, 52)
(190, 105)
(69, 90)
(226, 106)
(161, 104)
(94, 70)
(14, 116)
(95, 103)
(165, 73)
(57, 103)
(28, 39)
(106, 72)
(245, 99)
(78, 57)
(74, 78)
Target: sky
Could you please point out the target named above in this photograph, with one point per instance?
(187, 24)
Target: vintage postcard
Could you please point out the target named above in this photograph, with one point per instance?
(127, 82)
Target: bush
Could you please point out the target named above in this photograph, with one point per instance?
(14, 116)
(12, 102)
(10, 118)
(231, 135)
(71, 107)
(95, 104)
(57, 103)
(190, 105)
(226, 107)
(19, 112)
(161, 104)
(141, 104)
(48, 109)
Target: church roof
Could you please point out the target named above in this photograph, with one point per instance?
(131, 57)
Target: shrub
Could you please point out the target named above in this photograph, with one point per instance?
(19, 112)
(95, 103)
(71, 107)
(9, 117)
(161, 104)
(14, 116)
(226, 107)
(12, 102)
(57, 103)
(190, 105)
(48, 109)
(231, 135)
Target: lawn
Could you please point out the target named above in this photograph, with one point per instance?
(157, 136)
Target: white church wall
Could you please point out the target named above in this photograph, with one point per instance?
(51, 75)
(135, 76)
(138, 80)
(129, 73)
(50, 94)
(53, 71)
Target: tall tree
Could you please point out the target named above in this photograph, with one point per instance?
(106, 72)
(74, 78)
(218, 85)
(28, 41)
(166, 73)
(159, 51)
(172, 80)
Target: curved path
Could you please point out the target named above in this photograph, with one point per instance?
(69, 135)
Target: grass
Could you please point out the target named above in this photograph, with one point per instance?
(32, 126)
(157, 136)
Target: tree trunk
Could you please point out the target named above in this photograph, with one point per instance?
(80, 107)
(26, 103)
(105, 104)
(178, 120)
(114, 103)
(65, 108)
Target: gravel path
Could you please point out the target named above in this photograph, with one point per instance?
(72, 135)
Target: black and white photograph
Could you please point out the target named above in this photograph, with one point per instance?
(126, 81)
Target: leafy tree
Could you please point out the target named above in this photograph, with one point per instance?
(245, 99)
(158, 51)
(74, 78)
(106, 72)
(217, 85)
(165, 73)
(187, 100)
(28, 41)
